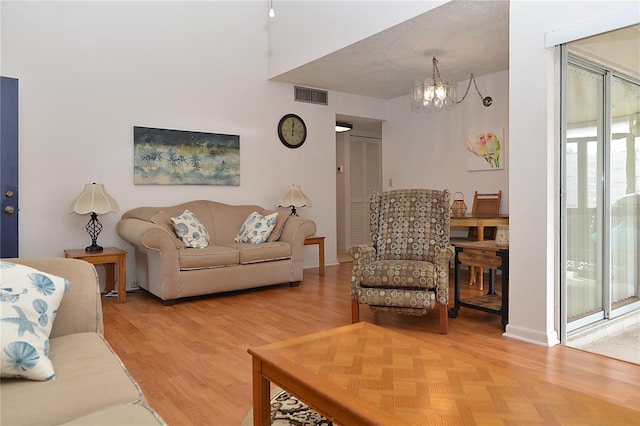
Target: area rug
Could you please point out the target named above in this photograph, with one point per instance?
(287, 410)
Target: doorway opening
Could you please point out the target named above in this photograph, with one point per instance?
(358, 174)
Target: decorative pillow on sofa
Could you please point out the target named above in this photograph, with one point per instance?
(277, 230)
(29, 301)
(190, 230)
(256, 228)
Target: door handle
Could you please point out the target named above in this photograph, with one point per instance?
(9, 210)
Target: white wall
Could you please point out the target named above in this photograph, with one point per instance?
(91, 71)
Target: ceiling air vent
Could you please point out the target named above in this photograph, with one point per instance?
(314, 96)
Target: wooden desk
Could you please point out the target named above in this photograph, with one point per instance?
(316, 239)
(480, 221)
(483, 254)
(362, 374)
(109, 257)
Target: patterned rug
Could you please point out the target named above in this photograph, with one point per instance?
(287, 410)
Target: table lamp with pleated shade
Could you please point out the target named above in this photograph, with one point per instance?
(294, 197)
(94, 200)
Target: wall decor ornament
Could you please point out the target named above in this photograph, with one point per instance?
(485, 151)
(179, 157)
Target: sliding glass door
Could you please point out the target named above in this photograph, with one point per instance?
(601, 193)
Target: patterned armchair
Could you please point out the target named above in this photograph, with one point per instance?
(405, 269)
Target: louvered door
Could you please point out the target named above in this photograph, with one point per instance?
(366, 177)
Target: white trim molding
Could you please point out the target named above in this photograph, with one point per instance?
(593, 26)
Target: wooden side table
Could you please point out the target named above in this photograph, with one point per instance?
(484, 254)
(109, 257)
(316, 239)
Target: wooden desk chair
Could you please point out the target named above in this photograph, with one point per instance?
(488, 203)
(485, 204)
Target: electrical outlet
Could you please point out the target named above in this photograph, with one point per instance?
(390, 183)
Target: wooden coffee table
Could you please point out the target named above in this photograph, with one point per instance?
(363, 374)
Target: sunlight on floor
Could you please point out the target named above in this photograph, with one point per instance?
(620, 341)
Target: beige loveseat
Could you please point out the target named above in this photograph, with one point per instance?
(91, 387)
(168, 269)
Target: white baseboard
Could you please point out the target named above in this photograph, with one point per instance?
(532, 336)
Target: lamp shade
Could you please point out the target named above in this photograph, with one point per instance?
(294, 197)
(94, 199)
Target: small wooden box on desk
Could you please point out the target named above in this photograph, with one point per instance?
(110, 257)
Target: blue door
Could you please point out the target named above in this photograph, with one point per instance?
(8, 167)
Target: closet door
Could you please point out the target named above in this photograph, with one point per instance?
(366, 177)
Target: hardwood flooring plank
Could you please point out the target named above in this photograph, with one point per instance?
(191, 360)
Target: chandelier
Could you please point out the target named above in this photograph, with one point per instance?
(438, 94)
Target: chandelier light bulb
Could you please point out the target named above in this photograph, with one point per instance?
(441, 91)
(429, 93)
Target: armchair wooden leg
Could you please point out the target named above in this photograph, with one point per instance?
(355, 311)
(444, 319)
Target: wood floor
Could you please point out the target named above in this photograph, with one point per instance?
(192, 363)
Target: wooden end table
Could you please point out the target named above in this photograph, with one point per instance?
(316, 239)
(109, 257)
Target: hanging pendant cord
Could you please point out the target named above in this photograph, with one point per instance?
(471, 78)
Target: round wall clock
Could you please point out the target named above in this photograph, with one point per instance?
(292, 131)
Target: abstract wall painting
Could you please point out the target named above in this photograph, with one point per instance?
(486, 150)
(179, 157)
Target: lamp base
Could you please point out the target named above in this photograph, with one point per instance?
(93, 248)
(94, 227)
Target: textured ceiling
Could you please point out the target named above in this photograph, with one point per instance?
(465, 36)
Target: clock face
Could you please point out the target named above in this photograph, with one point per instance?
(292, 131)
